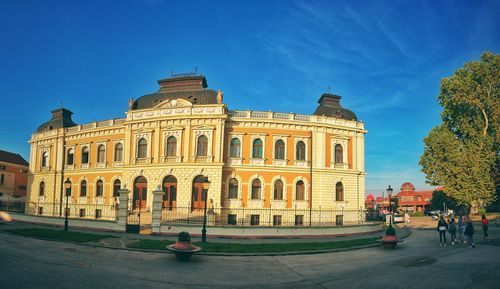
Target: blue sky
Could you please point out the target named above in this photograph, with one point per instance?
(386, 58)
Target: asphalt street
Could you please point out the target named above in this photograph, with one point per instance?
(418, 262)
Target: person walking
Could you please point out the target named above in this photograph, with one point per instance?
(461, 228)
(441, 228)
(469, 233)
(452, 228)
(484, 223)
(407, 218)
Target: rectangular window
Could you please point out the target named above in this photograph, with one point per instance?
(339, 220)
(299, 220)
(2, 179)
(82, 213)
(254, 220)
(98, 213)
(277, 220)
(40, 210)
(231, 219)
(2, 168)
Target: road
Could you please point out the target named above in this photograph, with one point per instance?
(418, 262)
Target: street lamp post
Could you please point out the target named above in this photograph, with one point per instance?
(389, 193)
(206, 185)
(67, 186)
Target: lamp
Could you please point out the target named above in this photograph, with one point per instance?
(389, 193)
(206, 186)
(67, 187)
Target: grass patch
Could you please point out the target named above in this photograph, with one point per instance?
(58, 235)
(258, 248)
(149, 244)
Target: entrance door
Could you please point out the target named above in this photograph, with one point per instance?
(170, 193)
(140, 193)
(199, 197)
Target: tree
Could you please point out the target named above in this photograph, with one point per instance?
(438, 198)
(462, 153)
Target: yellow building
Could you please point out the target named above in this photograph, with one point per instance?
(264, 167)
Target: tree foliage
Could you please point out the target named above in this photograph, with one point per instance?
(462, 153)
(438, 198)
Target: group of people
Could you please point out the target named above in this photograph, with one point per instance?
(464, 227)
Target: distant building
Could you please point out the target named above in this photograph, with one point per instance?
(408, 200)
(13, 174)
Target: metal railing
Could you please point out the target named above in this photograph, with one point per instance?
(12, 206)
(262, 217)
(108, 212)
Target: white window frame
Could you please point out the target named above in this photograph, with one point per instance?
(258, 161)
(280, 162)
(344, 143)
(177, 133)
(101, 164)
(208, 132)
(237, 160)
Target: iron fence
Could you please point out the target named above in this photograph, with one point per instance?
(12, 206)
(102, 211)
(263, 217)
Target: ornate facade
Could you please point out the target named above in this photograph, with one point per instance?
(174, 138)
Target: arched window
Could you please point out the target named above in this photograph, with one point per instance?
(202, 146)
(300, 151)
(256, 189)
(101, 152)
(70, 159)
(257, 148)
(339, 192)
(45, 159)
(234, 148)
(171, 146)
(233, 188)
(278, 190)
(338, 154)
(279, 150)
(117, 184)
(119, 152)
(85, 155)
(99, 188)
(41, 190)
(142, 148)
(169, 187)
(299, 191)
(83, 188)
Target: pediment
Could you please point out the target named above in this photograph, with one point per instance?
(171, 103)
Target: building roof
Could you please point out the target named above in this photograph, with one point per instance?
(190, 87)
(12, 158)
(329, 105)
(61, 117)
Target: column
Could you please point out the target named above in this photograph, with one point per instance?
(156, 213)
(123, 208)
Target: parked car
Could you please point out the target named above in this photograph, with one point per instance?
(399, 218)
(432, 213)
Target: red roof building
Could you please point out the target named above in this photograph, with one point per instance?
(408, 200)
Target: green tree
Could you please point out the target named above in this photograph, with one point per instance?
(462, 153)
(438, 198)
